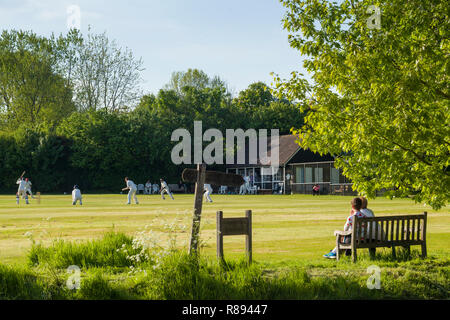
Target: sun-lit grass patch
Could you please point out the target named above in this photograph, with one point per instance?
(139, 252)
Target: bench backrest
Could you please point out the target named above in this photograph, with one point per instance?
(401, 230)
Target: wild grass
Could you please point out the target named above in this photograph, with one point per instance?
(184, 277)
(112, 250)
(180, 276)
(18, 283)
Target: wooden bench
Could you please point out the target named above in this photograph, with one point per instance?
(391, 232)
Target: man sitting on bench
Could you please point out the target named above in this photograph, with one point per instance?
(371, 227)
(364, 210)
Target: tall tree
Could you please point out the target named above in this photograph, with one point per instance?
(105, 76)
(194, 78)
(257, 95)
(31, 91)
(380, 98)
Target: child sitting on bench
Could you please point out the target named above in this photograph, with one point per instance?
(356, 207)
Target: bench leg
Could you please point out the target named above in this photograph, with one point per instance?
(354, 255)
(424, 249)
(408, 250)
(393, 252)
(372, 252)
(338, 250)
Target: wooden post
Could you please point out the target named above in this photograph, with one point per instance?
(248, 242)
(424, 236)
(233, 227)
(219, 235)
(200, 177)
(193, 247)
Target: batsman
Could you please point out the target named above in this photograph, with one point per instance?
(22, 190)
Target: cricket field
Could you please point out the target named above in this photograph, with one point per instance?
(286, 228)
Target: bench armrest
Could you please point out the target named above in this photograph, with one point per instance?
(342, 233)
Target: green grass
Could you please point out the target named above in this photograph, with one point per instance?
(180, 276)
(290, 235)
(108, 251)
(18, 283)
(284, 227)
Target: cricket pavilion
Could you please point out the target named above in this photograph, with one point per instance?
(298, 171)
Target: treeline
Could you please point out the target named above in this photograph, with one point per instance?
(95, 143)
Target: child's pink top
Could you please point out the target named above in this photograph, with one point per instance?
(349, 223)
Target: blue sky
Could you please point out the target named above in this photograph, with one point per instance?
(241, 41)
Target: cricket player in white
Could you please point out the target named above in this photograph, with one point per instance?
(223, 190)
(242, 189)
(131, 186)
(148, 187)
(28, 187)
(247, 184)
(208, 191)
(165, 188)
(76, 195)
(21, 192)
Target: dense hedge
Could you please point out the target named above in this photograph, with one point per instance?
(97, 149)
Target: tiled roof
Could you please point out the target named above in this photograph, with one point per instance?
(287, 149)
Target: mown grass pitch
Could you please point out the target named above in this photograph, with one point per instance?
(290, 228)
